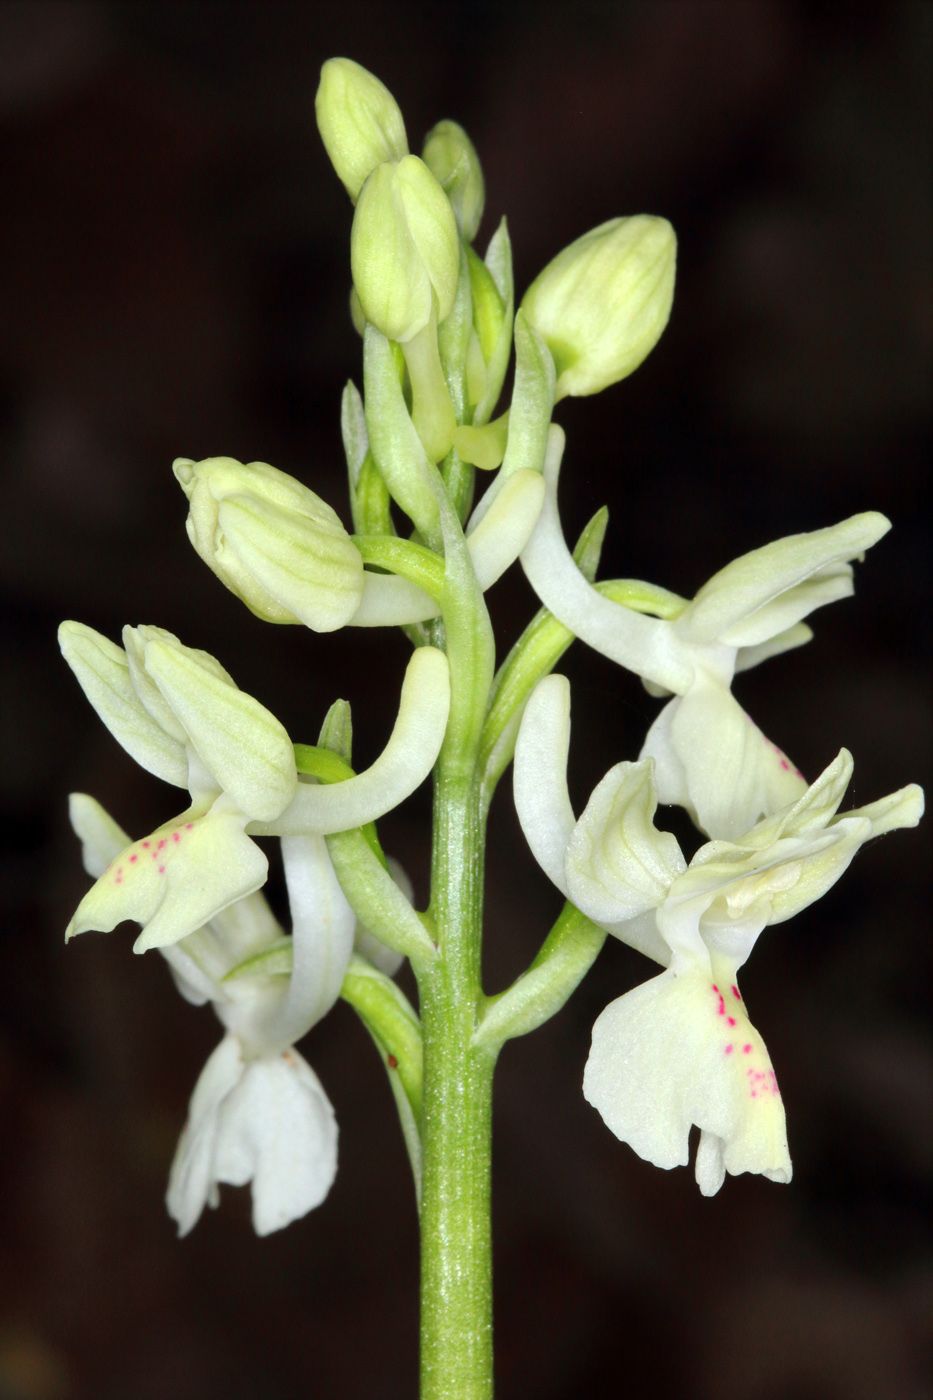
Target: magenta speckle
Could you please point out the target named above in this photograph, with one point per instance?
(798, 774)
(728, 1050)
(161, 844)
(715, 988)
(754, 1094)
(735, 992)
(176, 837)
(731, 1020)
(189, 826)
(785, 764)
(133, 858)
(746, 1049)
(145, 845)
(161, 869)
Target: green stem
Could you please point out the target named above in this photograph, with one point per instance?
(456, 1243)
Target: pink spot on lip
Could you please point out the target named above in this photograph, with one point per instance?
(189, 826)
(728, 1049)
(785, 764)
(798, 774)
(746, 1049)
(754, 1094)
(161, 869)
(132, 858)
(176, 837)
(731, 1020)
(735, 992)
(145, 845)
(161, 844)
(715, 988)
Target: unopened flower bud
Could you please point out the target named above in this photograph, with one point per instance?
(404, 249)
(603, 302)
(274, 543)
(359, 121)
(451, 157)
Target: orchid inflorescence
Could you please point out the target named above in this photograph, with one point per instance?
(438, 322)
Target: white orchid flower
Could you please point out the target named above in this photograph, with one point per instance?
(711, 758)
(258, 1113)
(680, 1048)
(180, 715)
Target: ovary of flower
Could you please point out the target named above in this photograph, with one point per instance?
(679, 1049)
(258, 1113)
(710, 757)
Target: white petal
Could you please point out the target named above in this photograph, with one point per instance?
(390, 601)
(733, 775)
(103, 672)
(540, 776)
(404, 763)
(175, 880)
(680, 1050)
(618, 864)
(277, 1129)
(765, 592)
(641, 933)
(101, 839)
(506, 527)
(796, 636)
(323, 925)
(241, 742)
(645, 645)
(191, 1179)
(902, 808)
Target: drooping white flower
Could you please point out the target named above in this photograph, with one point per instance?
(180, 715)
(679, 1049)
(258, 1113)
(711, 758)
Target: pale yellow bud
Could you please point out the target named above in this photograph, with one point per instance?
(451, 157)
(359, 121)
(603, 302)
(404, 249)
(274, 543)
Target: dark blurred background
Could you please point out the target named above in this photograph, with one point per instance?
(174, 255)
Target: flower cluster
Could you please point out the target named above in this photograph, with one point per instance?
(680, 1049)
(438, 323)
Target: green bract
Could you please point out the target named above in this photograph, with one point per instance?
(603, 302)
(404, 249)
(359, 121)
(274, 543)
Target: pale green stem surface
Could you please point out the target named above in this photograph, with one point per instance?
(456, 1243)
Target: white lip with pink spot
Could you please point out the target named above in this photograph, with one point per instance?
(153, 850)
(760, 1081)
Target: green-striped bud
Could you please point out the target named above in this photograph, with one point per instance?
(359, 121)
(451, 157)
(603, 302)
(274, 543)
(404, 249)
